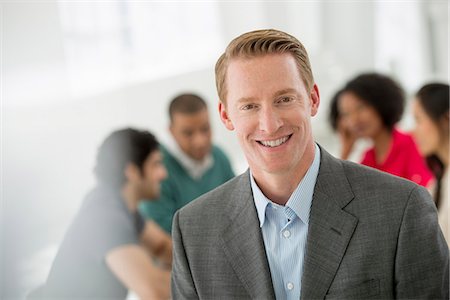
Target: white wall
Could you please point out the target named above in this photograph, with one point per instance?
(50, 137)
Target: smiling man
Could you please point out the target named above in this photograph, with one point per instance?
(300, 223)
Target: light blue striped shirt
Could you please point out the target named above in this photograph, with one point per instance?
(285, 229)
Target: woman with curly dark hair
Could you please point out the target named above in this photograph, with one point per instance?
(431, 111)
(369, 106)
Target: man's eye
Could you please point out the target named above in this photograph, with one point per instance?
(248, 107)
(285, 100)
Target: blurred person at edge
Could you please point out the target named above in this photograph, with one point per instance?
(369, 106)
(431, 112)
(299, 223)
(108, 248)
(195, 166)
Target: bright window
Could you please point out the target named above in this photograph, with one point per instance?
(112, 44)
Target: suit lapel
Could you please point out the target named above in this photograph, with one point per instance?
(243, 243)
(330, 231)
(330, 228)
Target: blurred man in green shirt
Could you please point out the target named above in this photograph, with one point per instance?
(194, 164)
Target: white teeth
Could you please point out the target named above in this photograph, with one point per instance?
(275, 143)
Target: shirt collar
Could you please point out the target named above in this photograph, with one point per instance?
(301, 199)
(196, 169)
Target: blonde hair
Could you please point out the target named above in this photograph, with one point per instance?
(259, 43)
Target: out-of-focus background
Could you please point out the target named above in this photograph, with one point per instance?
(73, 71)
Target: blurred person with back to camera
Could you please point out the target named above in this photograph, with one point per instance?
(195, 166)
(431, 112)
(369, 106)
(299, 223)
(108, 248)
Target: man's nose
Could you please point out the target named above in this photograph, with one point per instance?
(269, 120)
(200, 139)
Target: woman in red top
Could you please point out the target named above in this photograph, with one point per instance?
(369, 106)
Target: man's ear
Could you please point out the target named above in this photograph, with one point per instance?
(224, 116)
(315, 100)
(132, 172)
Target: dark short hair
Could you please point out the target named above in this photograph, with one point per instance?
(186, 104)
(120, 148)
(379, 91)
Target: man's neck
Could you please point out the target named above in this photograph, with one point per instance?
(278, 187)
(195, 168)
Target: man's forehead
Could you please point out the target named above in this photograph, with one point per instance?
(247, 77)
(181, 118)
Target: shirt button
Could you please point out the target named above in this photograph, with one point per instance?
(290, 286)
(286, 233)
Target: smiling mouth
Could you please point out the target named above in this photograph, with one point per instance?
(275, 143)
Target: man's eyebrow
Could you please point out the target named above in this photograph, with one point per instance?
(276, 94)
(285, 91)
(245, 100)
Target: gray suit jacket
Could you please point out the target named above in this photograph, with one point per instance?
(371, 235)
